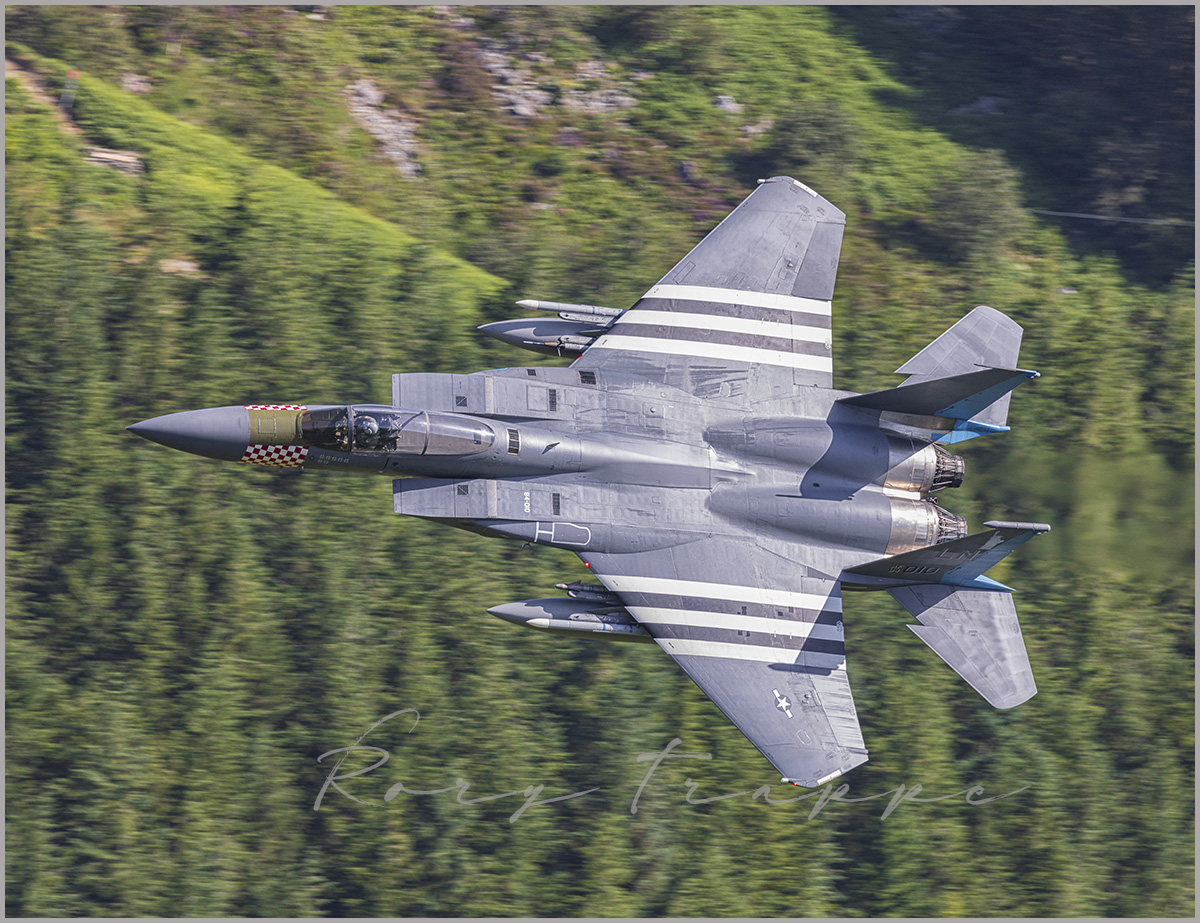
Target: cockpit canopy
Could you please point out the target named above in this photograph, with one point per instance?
(367, 428)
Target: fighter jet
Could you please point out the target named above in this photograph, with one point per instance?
(697, 458)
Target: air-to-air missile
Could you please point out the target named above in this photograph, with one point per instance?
(698, 459)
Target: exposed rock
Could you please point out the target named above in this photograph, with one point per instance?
(516, 89)
(179, 267)
(688, 170)
(394, 132)
(521, 90)
(125, 161)
(606, 98)
(525, 102)
(757, 128)
(366, 92)
(591, 70)
(452, 13)
(135, 83)
(311, 11)
(598, 101)
(516, 86)
(498, 64)
(728, 104)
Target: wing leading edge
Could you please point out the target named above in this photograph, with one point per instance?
(754, 293)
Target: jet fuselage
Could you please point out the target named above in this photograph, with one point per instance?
(561, 463)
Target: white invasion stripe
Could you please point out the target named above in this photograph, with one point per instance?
(743, 594)
(751, 355)
(755, 652)
(761, 328)
(734, 296)
(787, 628)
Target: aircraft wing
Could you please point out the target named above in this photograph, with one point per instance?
(754, 295)
(761, 637)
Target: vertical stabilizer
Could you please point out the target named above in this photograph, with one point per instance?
(984, 338)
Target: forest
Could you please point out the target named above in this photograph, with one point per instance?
(314, 198)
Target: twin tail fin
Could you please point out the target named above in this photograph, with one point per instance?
(959, 385)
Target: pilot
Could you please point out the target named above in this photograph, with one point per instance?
(366, 431)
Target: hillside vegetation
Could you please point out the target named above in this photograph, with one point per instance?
(185, 639)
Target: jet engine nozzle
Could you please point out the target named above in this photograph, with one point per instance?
(215, 432)
(921, 523)
(920, 468)
(949, 470)
(949, 527)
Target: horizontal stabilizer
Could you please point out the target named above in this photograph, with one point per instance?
(963, 397)
(960, 562)
(977, 633)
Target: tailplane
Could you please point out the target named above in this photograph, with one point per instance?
(977, 633)
(969, 620)
(960, 562)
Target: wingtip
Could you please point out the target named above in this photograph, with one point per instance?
(817, 783)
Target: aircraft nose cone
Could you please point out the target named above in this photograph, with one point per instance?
(215, 432)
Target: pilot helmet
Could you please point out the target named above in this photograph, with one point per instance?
(365, 429)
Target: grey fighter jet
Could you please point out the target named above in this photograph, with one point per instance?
(699, 461)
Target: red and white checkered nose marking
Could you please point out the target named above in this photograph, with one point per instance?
(276, 456)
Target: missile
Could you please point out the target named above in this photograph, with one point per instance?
(574, 615)
(588, 591)
(570, 308)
